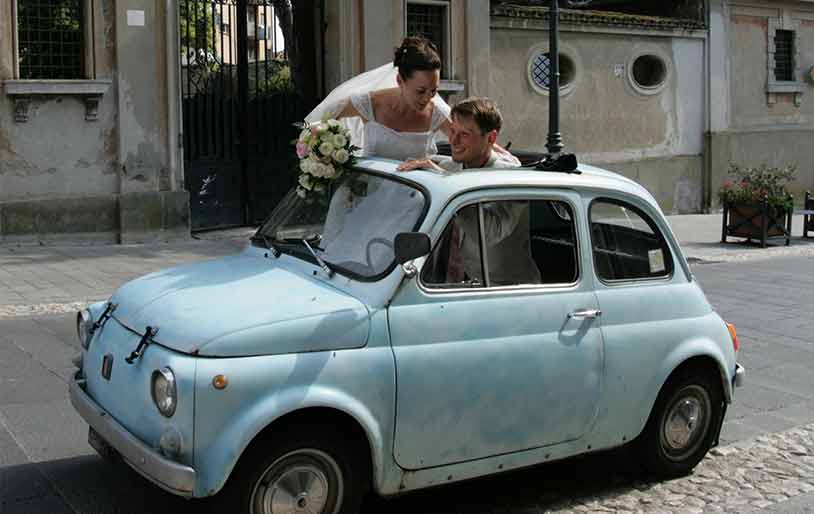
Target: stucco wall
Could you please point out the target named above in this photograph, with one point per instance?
(656, 139)
(749, 75)
(57, 153)
(603, 117)
(776, 131)
(65, 177)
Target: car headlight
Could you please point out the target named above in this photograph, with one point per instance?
(165, 394)
(84, 327)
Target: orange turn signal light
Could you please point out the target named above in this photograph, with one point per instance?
(220, 382)
(734, 335)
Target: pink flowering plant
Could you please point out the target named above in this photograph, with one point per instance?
(749, 185)
(326, 153)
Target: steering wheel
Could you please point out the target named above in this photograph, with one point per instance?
(376, 240)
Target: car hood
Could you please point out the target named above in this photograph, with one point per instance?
(241, 305)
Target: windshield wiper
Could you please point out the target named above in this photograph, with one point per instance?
(322, 264)
(262, 237)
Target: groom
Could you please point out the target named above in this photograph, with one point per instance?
(476, 123)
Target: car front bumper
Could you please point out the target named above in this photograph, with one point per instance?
(169, 475)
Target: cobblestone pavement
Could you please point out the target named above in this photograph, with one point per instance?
(742, 477)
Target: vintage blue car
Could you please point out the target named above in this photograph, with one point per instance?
(408, 330)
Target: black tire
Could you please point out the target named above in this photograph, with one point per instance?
(332, 463)
(682, 425)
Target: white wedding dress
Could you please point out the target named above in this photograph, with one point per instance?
(382, 141)
(371, 136)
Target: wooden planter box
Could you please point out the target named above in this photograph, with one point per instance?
(759, 222)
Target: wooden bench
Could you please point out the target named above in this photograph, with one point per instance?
(808, 214)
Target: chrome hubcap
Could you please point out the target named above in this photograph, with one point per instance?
(686, 422)
(299, 483)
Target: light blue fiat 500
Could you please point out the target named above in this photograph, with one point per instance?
(410, 330)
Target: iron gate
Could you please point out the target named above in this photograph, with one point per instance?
(239, 107)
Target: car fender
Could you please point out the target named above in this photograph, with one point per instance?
(691, 348)
(222, 453)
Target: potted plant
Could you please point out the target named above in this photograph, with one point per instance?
(756, 203)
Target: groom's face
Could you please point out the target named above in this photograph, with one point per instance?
(469, 144)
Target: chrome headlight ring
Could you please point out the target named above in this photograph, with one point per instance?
(84, 327)
(164, 391)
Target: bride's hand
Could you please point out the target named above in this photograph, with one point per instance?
(419, 164)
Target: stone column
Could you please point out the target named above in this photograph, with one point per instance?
(149, 209)
(478, 45)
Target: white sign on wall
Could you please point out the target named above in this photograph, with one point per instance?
(135, 18)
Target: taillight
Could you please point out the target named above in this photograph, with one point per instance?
(734, 335)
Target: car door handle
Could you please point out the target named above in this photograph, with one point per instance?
(585, 314)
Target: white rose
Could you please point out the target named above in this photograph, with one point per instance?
(317, 169)
(334, 124)
(340, 141)
(305, 182)
(305, 165)
(341, 156)
(328, 171)
(326, 148)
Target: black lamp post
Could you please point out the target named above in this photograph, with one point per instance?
(556, 160)
(554, 143)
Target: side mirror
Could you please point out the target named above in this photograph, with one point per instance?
(411, 245)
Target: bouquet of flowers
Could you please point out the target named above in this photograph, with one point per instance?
(325, 152)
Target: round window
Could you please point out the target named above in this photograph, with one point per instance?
(540, 71)
(649, 71)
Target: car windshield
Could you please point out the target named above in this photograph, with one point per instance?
(350, 228)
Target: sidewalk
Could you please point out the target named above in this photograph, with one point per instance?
(53, 279)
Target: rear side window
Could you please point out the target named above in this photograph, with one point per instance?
(627, 245)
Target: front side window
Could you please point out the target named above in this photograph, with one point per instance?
(50, 35)
(506, 243)
(626, 243)
(351, 228)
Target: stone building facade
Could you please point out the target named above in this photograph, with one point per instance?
(90, 153)
(668, 94)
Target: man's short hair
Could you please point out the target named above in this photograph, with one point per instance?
(481, 109)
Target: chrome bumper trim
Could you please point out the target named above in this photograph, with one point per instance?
(740, 373)
(169, 475)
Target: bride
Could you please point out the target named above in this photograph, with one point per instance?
(393, 111)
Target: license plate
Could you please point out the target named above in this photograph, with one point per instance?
(101, 446)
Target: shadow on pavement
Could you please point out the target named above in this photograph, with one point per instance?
(90, 484)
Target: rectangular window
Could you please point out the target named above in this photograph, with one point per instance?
(50, 35)
(506, 243)
(430, 19)
(784, 55)
(627, 246)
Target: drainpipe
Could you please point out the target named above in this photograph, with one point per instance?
(174, 129)
(706, 181)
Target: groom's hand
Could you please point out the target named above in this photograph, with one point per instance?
(419, 164)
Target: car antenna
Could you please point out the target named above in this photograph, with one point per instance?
(555, 159)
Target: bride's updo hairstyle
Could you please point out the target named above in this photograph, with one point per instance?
(416, 54)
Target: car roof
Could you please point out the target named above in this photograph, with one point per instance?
(448, 184)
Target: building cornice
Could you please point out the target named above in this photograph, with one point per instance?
(596, 18)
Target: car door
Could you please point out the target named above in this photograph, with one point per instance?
(509, 357)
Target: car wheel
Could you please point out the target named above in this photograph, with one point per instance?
(682, 425)
(305, 474)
